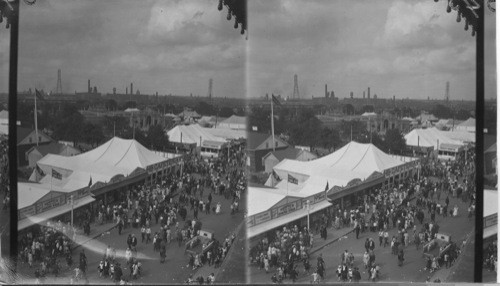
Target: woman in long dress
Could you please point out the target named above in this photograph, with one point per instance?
(455, 211)
(217, 209)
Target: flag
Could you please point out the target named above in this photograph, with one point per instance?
(56, 174)
(90, 182)
(275, 100)
(40, 171)
(275, 176)
(292, 179)
(39, 95)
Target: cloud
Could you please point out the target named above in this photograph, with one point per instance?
(159, 45)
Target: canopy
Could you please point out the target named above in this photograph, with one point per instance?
(353, 161)
(490, 202)
(468, 125)
(115, 157)
(193, 133)
(428, 138)
(262, 199)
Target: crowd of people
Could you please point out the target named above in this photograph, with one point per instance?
(161, 214)
(490, 257)
(173, 209)
(409, 208)
(4, 174)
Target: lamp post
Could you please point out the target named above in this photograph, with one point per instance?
(308, 207)
(72, 207)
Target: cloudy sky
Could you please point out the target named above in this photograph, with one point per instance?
(165, 46)
(403, 48)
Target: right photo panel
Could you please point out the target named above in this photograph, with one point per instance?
(490, 179)
(361, 149)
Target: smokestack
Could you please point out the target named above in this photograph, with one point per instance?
(326, 90)
(368, 92)
(131, 88)
(89, 90)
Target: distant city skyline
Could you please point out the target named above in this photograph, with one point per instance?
(169, 47)
(418, 35)
(405, 48)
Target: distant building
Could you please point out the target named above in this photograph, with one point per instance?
(273, 158)
(234, 122)
(26, 139)
(35, 153)
(258, 145)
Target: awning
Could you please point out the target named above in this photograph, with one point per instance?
(41, 217)
(272, 224)
(490, 231)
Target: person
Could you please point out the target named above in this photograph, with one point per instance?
(218, 208)
(163, 252)
(356, 275)
(357, 230)
(143, 233)
(211, 278)
(148, 234)
(380, 237)
(401, 257)
(366, 259)
(315, 277)
(455, 211)
(134, 243)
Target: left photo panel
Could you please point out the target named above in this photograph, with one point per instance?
(131, 142)
(6, 263)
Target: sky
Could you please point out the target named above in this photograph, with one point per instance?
(169, 47)
(406, 48)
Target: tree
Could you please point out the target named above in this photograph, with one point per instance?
(395, 142)
(368, 108)
(463, 114)
(359, 132)
(348, 109)
(204, 108)
(92, 134)
(157, 139)
(441, 111)
(111, 104)
(226, 111)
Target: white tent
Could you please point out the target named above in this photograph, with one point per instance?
(468, 125)
(353, 161)
(193, 133)
(115, 157)
(490, 212)
(428, 138)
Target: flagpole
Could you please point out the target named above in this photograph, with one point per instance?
(36, 121)
(272, 124)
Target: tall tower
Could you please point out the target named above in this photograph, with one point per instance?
(131, 88)
(447, 95)
(59, 85)
(210, 86)
(368, 92)
(295, 88)
(89, 90)
(326, 90)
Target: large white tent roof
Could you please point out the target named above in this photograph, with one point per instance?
(115, 157)
(490, 202)
(353, 161)
(191, 134)
(29, 193)
(262, 199)
(428, 138)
